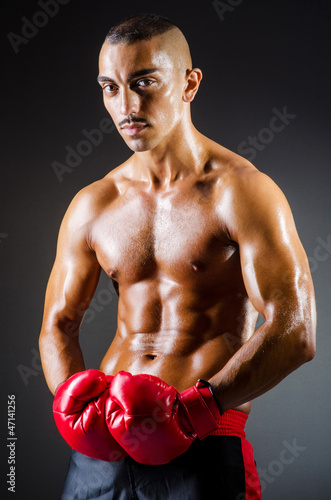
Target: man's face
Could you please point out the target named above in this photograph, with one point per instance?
(143, 90)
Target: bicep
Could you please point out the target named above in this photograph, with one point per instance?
(74, 277)
(274, 264)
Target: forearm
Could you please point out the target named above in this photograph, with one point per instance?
(261, 363)
(61, 356)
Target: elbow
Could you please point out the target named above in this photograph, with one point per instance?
(42, 341)
(308, 352)
(306, 343)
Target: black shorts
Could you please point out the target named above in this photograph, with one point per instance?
(218, 467)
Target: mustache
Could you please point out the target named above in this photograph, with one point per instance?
(131, 120)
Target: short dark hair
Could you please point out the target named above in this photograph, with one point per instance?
(139, 27)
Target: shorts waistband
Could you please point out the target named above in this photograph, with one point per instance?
(231, 423)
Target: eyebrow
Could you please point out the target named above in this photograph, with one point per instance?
(136, 74)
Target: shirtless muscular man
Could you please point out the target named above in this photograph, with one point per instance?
(197, 242)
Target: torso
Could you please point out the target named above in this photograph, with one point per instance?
(183, 309)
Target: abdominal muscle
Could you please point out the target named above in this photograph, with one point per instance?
(172, 356)
(179, 334)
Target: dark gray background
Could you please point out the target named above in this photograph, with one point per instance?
(261, 56)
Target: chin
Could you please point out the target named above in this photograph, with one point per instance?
(139, 145)
(138, 148)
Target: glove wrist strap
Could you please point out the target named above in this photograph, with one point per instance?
(208, 385)
(202, 408)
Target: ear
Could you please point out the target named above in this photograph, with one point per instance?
(193, 79)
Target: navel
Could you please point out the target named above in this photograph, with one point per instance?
(150, 357)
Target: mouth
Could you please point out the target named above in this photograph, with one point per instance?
(134, 128)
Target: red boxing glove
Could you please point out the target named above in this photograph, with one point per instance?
(153, 422)
(79, 413)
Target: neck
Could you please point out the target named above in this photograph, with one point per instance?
(177, 157)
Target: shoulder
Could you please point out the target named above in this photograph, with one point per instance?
(92, 199)
(85, 208)
(241, 179)
(248, 199)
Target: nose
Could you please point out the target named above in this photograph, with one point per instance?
(130, 102)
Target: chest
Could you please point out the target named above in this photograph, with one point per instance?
(179, 235)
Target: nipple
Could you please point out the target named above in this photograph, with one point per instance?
(112, 273)
(197, 265)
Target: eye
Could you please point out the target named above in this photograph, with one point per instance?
(109, 88)
(144, 82)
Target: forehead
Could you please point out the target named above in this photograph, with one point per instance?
(122, 59)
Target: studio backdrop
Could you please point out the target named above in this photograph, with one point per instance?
(265, 94)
